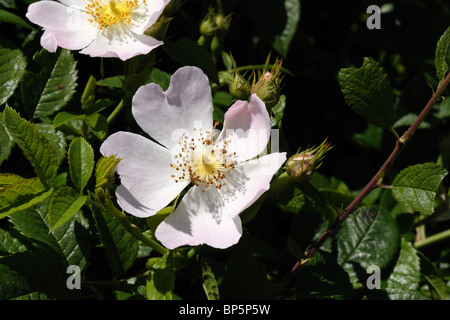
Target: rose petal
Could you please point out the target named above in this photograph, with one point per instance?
(145, 173)
(146, 15)
(248, 181)
(49, 42)
(67, 27)
(195, 222)
(186, 104)
(117, 41)
(249, 125)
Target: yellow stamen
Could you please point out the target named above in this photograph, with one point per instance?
(107, 13)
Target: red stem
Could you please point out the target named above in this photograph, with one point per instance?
(373, 183)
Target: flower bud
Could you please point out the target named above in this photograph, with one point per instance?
(302, 165)
(159, 29)
(239, 86)
(268, 86)
(208, 26)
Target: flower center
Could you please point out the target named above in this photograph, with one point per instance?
(203, 161)
(105, 13)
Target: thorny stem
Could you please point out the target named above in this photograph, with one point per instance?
(373, 183)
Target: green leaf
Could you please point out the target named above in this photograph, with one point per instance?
(403, 282)
(433, 278)
(9, 17)
(160, 281)
(278, 112)
(81, 162)
(65, 117)
(99, 125)
(6, 142)
(56, 138)
(10, 244)
(121, 248)
(368, 92)
(35, 146)
(441, 55)
(33, 276)
(104, 171)
(47, 92)
(69, 241)
(416, 186)
(369, 236)
(12, 68)
(190, 53)
(65, 203)
(276, 22)
(160, 77)
(17, 193)
(208, 279)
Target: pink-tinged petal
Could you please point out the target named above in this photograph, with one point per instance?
(248, 181)
(117, 41)
(195, 221)
(247, 124)
(65, 26)
(185, 105)
(49, 42)
(146, 15)
(145, 173)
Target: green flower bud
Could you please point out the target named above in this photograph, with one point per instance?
(239, 87)
(268, 86)
(302, 165)
(223, 22)
(208, 27)
(159, 29)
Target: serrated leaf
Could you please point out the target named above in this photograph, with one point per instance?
(10, 244)
(6, 141)
(368, 92)
(441, 55)
(121, 248)
(369, 236)
(35, 146)
(208, 279)
(276, 21)
(47, 92)
(160, 281)
(81, 162)
(70, 240)
(56, 138)
(17, 193)
(65, 203)
(12, 68)
(416, 186)
(99, 125)
(403, 282)
(104, 171)
(434, 280)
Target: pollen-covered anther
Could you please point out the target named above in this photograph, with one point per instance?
(105, 13)
(203, 160)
